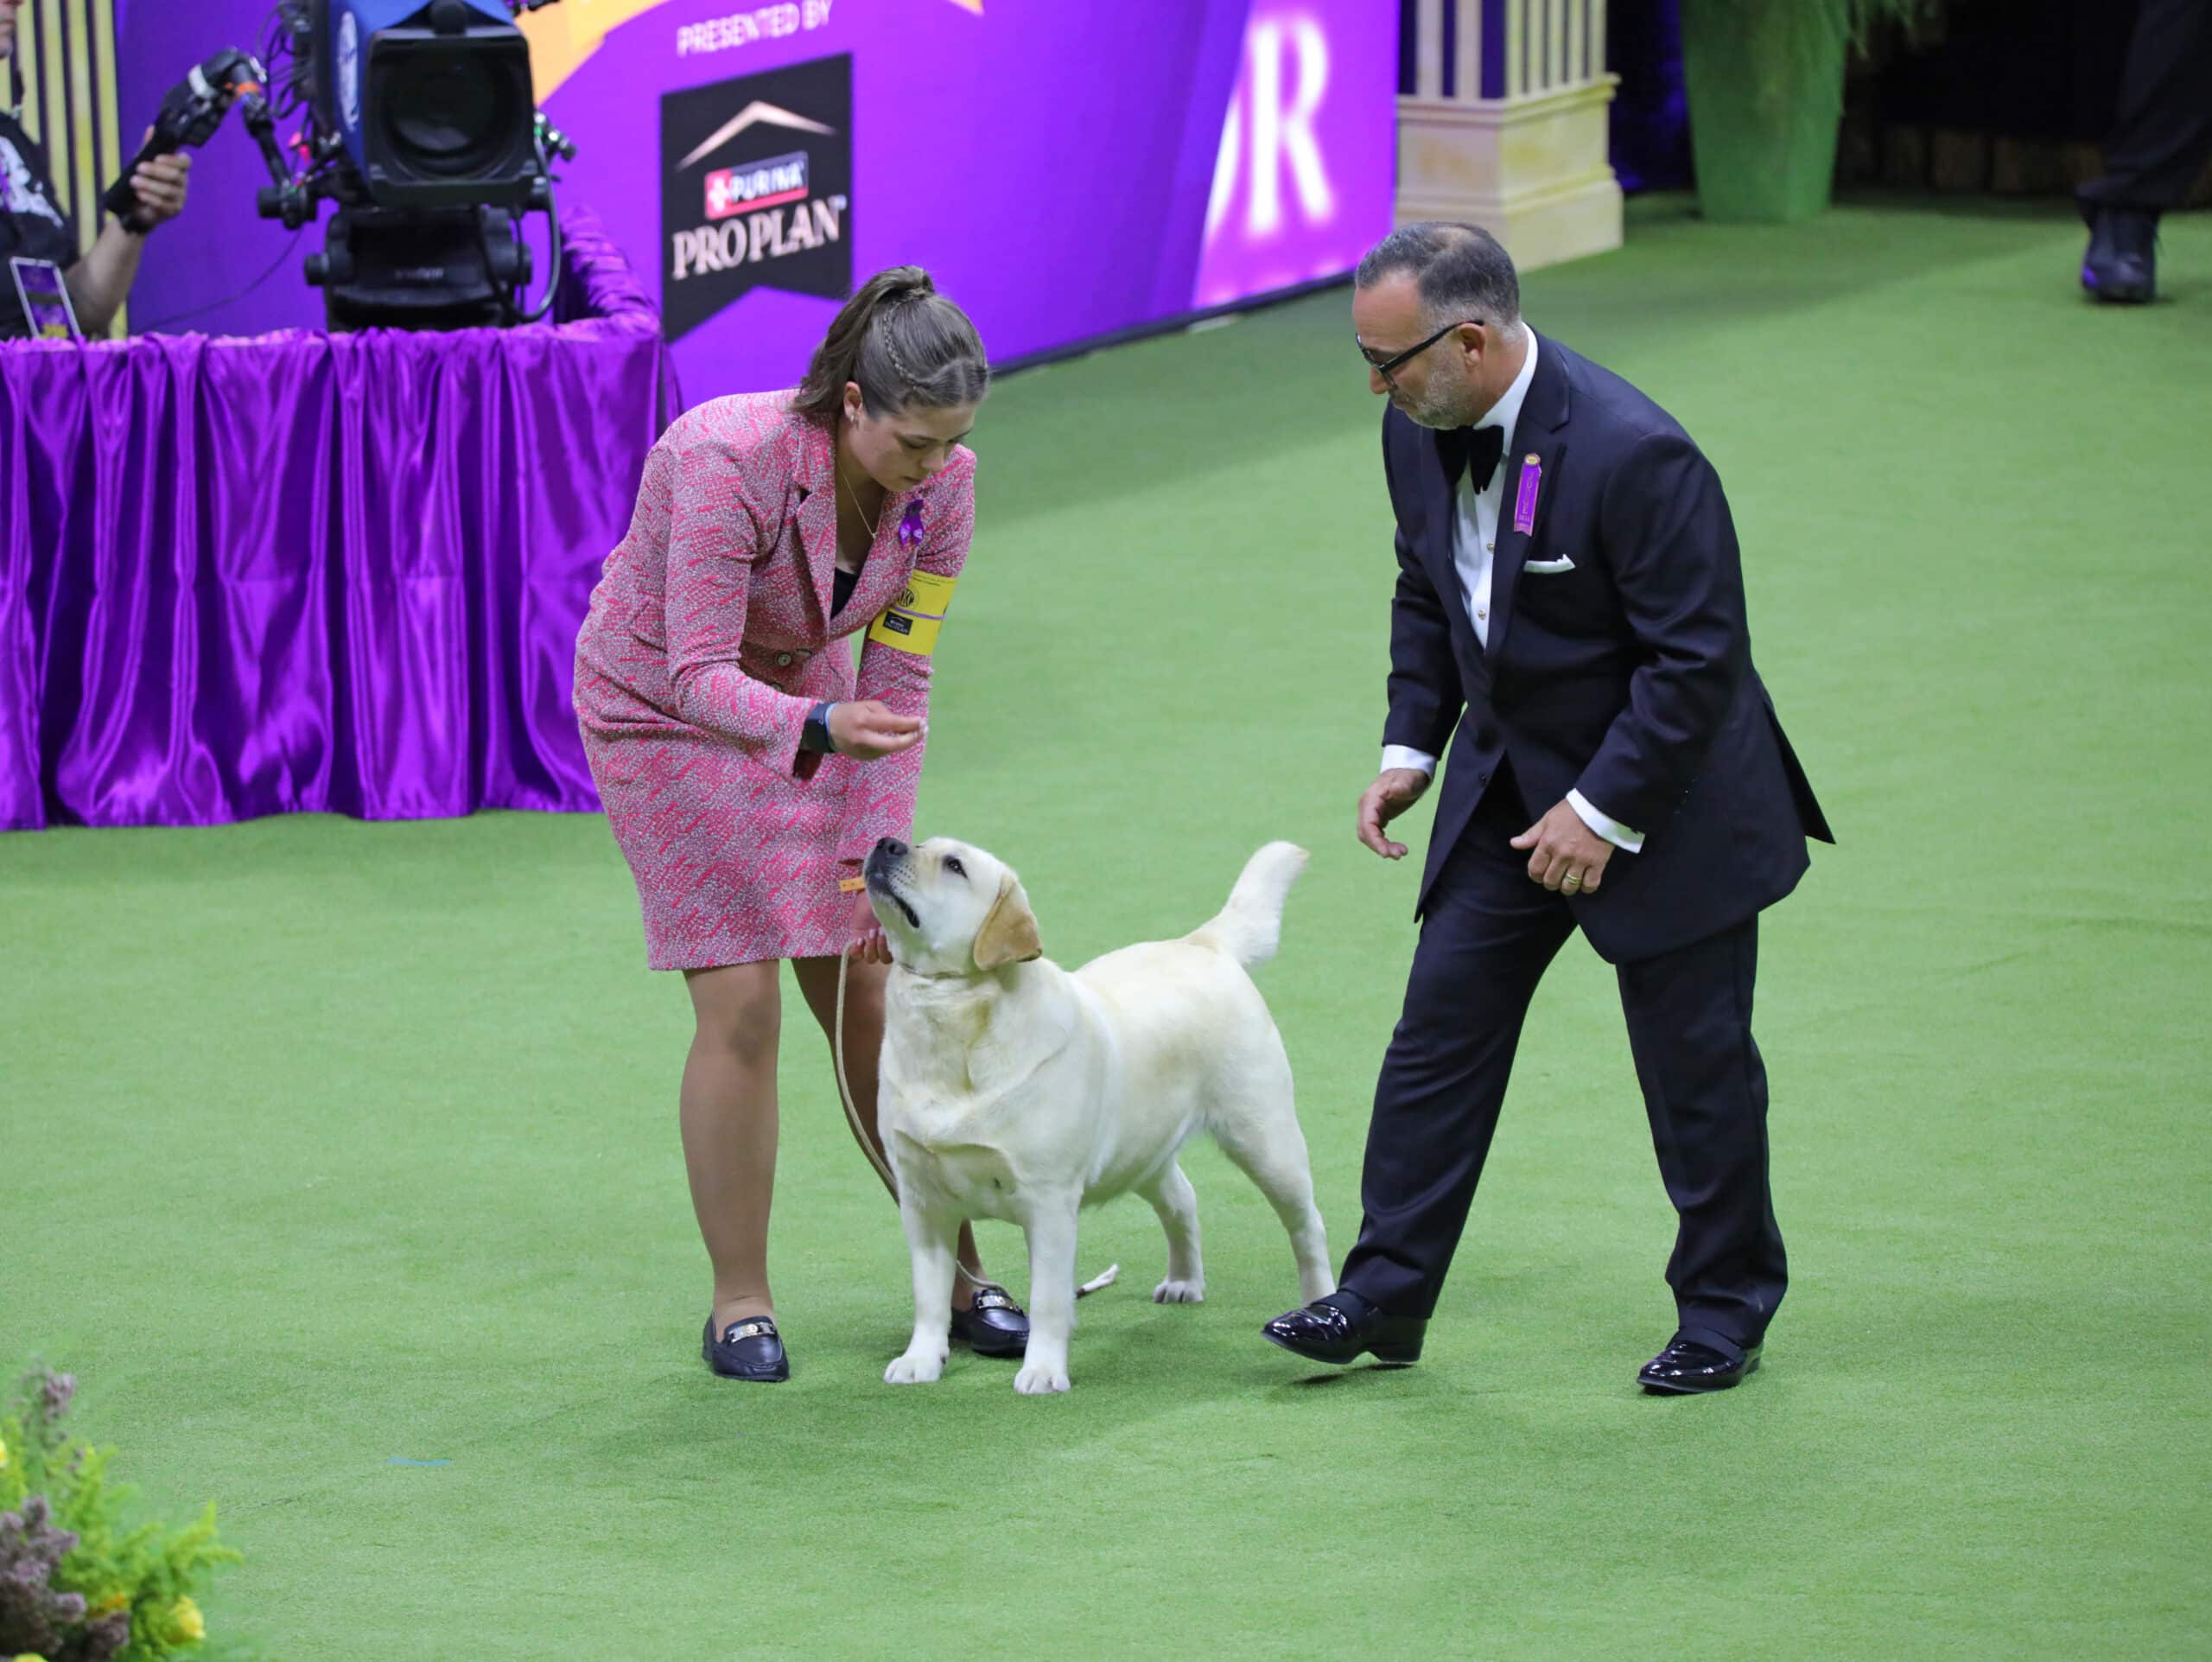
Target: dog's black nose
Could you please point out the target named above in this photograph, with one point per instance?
(891, 848)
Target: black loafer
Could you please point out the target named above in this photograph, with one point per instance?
(2122, 261)
(751, 1349)
(1686, 1367)
(996, 1327)
(1343, 1327)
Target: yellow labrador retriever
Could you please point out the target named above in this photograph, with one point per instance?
(1013, 1089)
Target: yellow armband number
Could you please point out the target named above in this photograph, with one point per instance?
(911, 622)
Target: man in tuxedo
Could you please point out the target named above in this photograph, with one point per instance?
(1570, 618)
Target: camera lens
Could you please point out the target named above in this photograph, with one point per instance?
(452, 117)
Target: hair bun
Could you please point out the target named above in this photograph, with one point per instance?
(907, 283)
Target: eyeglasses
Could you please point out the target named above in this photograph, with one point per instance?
(1387, 365)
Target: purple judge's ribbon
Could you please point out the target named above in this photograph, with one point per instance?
(1524, 501)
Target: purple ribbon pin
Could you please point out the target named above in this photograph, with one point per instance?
(1524, 501)
(909, 528)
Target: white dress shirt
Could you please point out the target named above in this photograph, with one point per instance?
(1474, 540)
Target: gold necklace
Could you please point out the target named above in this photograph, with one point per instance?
(852, 496)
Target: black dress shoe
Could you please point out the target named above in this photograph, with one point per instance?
(1686, 1367)
(751, 1349)
(996, 1327)
(2122, 263)
(1343, 1327)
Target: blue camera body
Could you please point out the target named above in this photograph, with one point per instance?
(432, 102)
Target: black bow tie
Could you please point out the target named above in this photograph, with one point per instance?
(1484, 446)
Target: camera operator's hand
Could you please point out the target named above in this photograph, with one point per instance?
(160, 183)
(870, 730)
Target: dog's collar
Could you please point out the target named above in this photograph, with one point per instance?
(940, 975)
(948, 975)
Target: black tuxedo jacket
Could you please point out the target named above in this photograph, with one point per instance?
(1626, 675)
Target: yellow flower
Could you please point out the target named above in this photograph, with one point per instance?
(30, 1656)
(185, 1621)
(4, 1453)
(109, 1606)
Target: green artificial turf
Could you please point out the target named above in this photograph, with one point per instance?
(326, 1144)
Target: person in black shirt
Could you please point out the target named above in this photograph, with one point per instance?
(32, 226)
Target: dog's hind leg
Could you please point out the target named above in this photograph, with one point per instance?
(1178, 1206)
(1263, 1136)
(1177, 1203)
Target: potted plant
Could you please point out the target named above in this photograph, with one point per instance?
(78, 1582)
(1765, 79)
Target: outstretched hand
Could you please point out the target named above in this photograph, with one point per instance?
(869, 729)
(1394, 790)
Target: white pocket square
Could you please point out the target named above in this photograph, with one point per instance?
(1547, 567)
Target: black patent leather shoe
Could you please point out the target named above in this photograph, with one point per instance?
(1343, 1327)
(996, 1327)
(751, 1349)
(2122, 261)
(1686, 1367)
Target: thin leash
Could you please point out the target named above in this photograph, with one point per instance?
(1105, 1277)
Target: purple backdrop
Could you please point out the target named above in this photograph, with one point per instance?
(304, 572)
(293, 571)
(1066, 170)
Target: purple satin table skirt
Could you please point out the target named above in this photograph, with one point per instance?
(304, 572)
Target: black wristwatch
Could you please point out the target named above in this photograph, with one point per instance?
(815, 736)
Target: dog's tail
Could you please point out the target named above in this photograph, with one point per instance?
(1250, 925)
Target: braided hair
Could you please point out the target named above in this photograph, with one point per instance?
(904, 343)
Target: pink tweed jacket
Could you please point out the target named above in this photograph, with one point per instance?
(710, 635)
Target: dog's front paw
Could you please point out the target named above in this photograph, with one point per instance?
(1040, 1379)
(1172, 1292)
(917, 1367)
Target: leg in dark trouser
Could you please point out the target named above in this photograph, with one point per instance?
(1488, 935)
(2162, 130)
(2160, 139)
(1689, 1025)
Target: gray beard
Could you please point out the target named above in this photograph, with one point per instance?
(1440, 414)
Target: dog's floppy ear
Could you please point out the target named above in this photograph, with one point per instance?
(1009, 931)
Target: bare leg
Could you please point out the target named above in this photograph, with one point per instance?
(729, 1116)
(817, 984)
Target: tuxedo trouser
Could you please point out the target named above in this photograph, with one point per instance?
(2162, 128)
(1487, 936)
